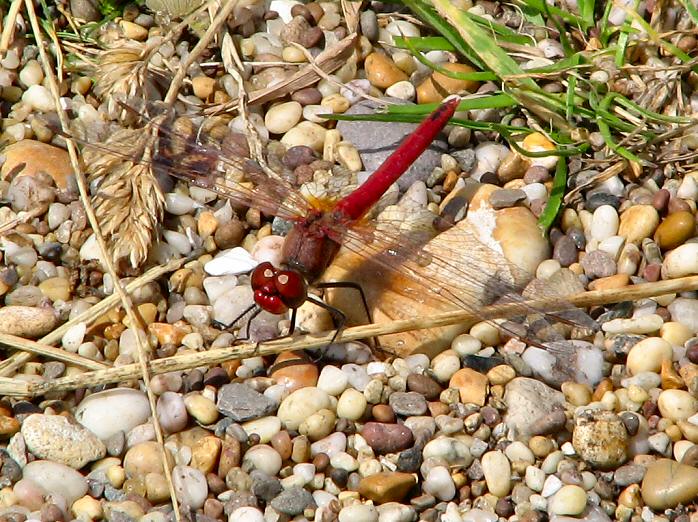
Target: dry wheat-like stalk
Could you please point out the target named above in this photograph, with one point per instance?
(129, 200)
(121, 73)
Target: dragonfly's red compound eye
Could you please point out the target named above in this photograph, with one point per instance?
(271, 303)
(262, 275)
(292, 287)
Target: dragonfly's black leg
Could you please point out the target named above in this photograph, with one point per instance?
(292, 328)
(358, 288)
(337, 315)
(257, 311)
(223, 326)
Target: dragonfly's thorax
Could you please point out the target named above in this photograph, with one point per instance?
(310, 247)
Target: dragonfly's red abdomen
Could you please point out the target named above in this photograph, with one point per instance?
(278, 290)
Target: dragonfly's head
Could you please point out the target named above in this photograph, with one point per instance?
(276, 290)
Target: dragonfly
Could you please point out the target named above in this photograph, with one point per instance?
(322, 224)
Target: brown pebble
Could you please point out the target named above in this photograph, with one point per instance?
(321, 461)
(677, 205)
(692, 353)
(652, 272)
(423, 384)
(437, 408)
(675, 230)
(230, 456)
(216, 485)
(229, 235)
(307, 96)
(213, 508)
(281, 442)
(660, 200)
(383, 413)
(301, 10)
(316, 11)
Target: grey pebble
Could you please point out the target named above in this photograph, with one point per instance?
(375, 141)
(598, 264)
(408, 403)
(241, 403)
(629, 474)
(292, 501)
(505, 198)
(565, 251)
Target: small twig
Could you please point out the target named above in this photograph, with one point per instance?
(200, 46)
(467, 317)
(35, 348)
(94, 223)
(18, 359)
(21, 217)
(8, 31)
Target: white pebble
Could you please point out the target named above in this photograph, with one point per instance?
(681, 261)
(685, 311)
(358, 513)
(73, 337)
(551, 486)
(497, 471)
(190, 485)
(265, 427)
(635, 325)
(179, 204)
(264, 458)
(351, 405)
(39, 98)
(235, 261)
(269, 248)
(332, 380)
(246, 514)
(439, 483)
(569, 500)
(535, 478)
(677, 404)
(403, 90)
(31, 73)
(604, 223)
(282, 117)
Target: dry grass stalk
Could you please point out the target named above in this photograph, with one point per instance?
(20, 343)
(220, 355)
(18, 359)
(352, 10)
(327, 62)
(129, 201)
(8, 31)
(92, 218)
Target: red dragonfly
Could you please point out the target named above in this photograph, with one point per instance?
(322, 226)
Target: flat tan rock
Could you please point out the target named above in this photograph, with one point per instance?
(457, 269)
(38, 157)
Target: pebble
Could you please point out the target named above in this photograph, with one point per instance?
(292, 501)
(471, 386)
(382, 72)
(386, 486)
(681, 261)
(675, 229)
(332, 380)
(294, 370)
(668, 483)
(351, 405)
(598, 264)
(387, 438)
(677, 404)
(648, 355)
(282, 117)
(497, 471)
(44, 158)
(171, 411)
(638, 222)
(53, 437)
(408, 403)
(111, 411)
(300, 404)
(358, 513)
(604, 223)
(439, 483)
(241, 403)
(600, 438)
(529, 402)
(264, 458)
(190, 485)
(437, 86)
(27, 321)
(56, 478)
(305, 133)
(569, 500)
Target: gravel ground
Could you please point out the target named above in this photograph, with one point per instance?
(484, 427)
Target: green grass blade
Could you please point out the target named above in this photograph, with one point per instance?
(428, 14)
(586, 11)
(557, 193)
(424, 43)
(542, 7)
(692, 9)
